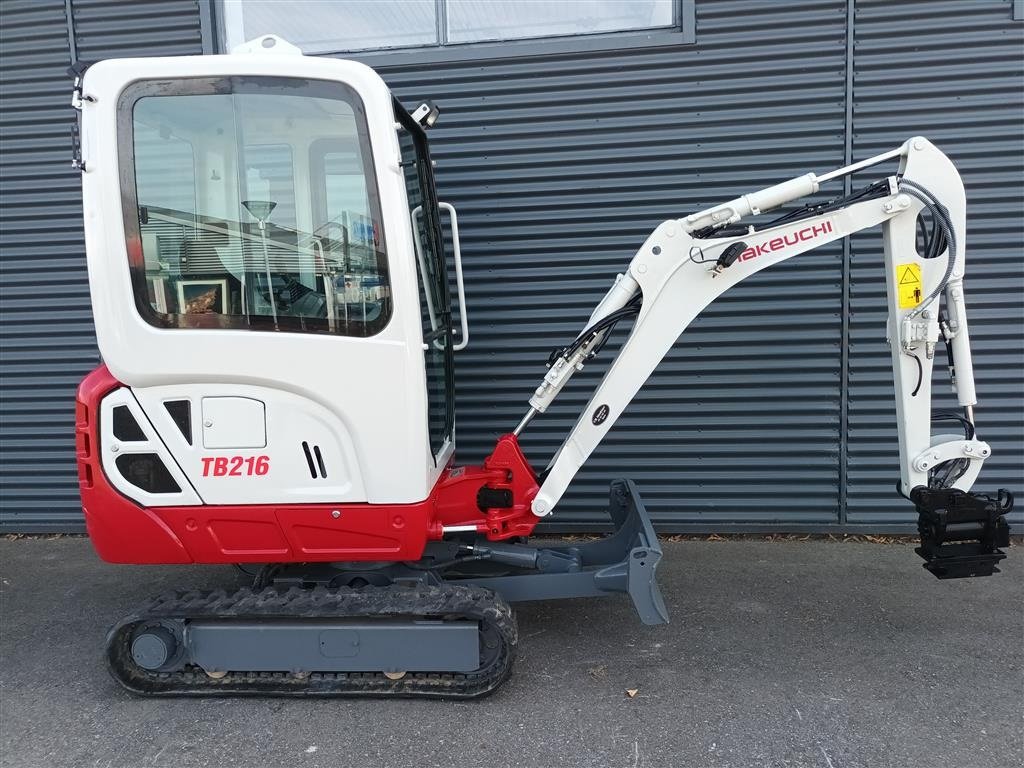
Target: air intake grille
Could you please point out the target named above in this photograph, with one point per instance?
(314, 460)
(146, 471)
(125, 427)
(180, 412)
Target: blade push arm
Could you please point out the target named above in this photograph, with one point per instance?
(683, 267)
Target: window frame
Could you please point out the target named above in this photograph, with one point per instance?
(432, 222)
(681, 32)
(210, 85)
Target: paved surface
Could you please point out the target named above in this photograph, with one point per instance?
(832, 655)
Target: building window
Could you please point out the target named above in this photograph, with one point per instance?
(367, 25)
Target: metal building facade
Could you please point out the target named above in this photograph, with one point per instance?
(46, 335)
(774, 411)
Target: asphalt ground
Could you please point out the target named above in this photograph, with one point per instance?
(824, 654)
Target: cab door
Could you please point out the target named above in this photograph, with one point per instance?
(435, 296)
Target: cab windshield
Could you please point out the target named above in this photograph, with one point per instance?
(252, 203)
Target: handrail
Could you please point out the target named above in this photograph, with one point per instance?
(459, 282)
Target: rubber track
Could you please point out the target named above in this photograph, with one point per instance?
(449, 601)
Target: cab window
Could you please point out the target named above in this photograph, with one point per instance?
(252, 203)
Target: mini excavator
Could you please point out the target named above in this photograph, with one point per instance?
(272, 300)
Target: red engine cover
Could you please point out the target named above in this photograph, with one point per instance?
(122, 531)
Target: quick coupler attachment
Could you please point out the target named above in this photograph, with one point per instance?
(961, 532)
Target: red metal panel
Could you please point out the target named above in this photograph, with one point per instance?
(122, 531)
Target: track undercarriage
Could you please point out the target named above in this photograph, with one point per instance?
(439, 627)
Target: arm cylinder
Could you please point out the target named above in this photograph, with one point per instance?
(960, 346)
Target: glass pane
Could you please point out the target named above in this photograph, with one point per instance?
(166, 166)
(256, 208)
(473, 20)
(352, 241)
(268, 176)
(317, 26)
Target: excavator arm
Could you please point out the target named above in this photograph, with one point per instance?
(687, 263)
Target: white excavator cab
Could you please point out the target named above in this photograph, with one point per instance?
(264, 244)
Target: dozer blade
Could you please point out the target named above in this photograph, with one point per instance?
(631, 554)
(625, 561)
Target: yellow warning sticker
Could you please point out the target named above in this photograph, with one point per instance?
(908, 285)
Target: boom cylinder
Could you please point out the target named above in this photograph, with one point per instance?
(623, 289)
(754, 203)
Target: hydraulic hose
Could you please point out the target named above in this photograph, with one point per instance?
(941, 214)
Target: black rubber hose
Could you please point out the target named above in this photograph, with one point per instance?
(941, 214)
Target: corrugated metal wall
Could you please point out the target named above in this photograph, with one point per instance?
(560, 165)
(952, 71)
(45, 322)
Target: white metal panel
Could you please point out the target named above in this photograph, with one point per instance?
(111, 448)
(234, 422)
(291, 420)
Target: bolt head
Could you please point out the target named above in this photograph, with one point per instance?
(207, 423)
(335, 513)
(114, 449)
